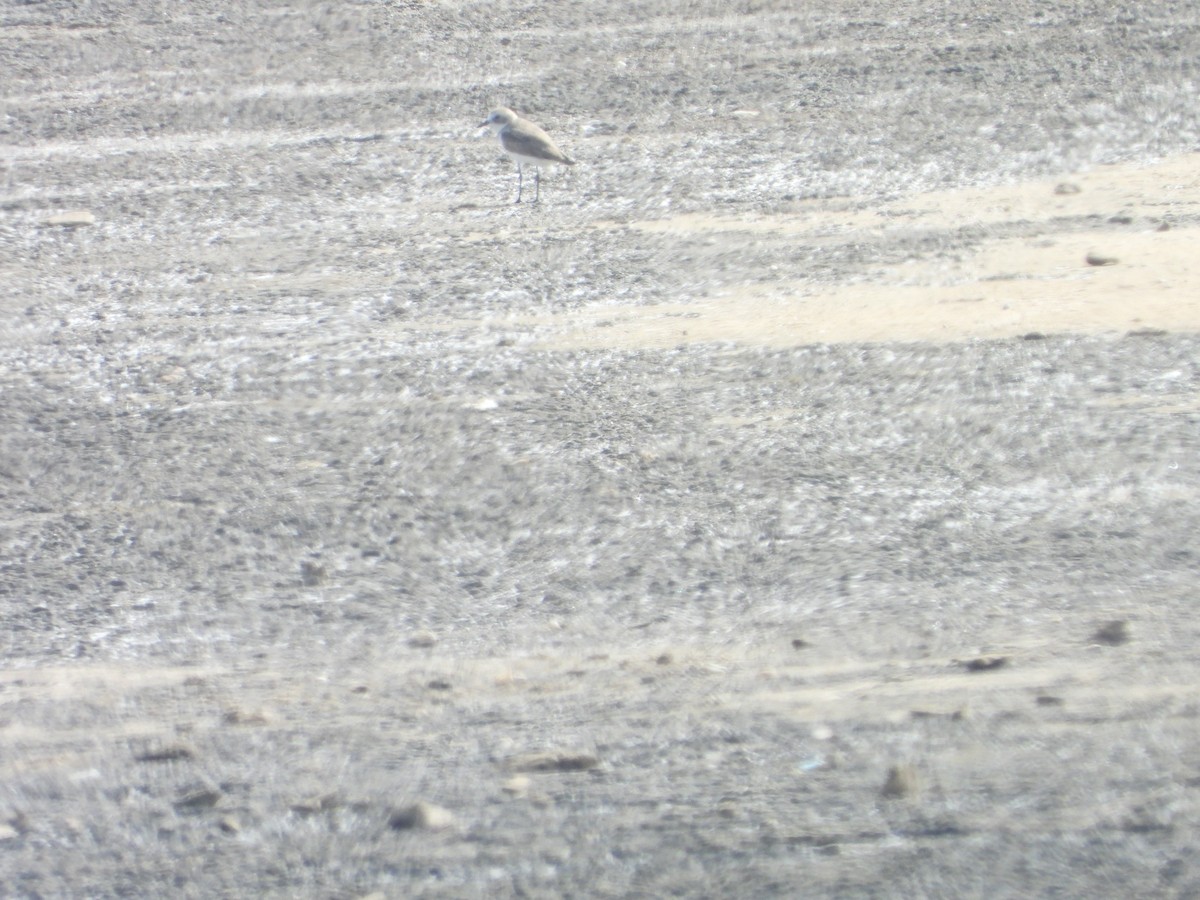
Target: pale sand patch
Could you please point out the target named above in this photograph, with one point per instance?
(1007, 287)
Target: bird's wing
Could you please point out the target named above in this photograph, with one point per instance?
(529, 140)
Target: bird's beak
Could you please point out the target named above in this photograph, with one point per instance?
(482, 124)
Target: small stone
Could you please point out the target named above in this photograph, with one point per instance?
(1066, 188)
(553, 762)
(517, 786)
(1098, 259)
(166, 754)
(311, 573)
(439, 684)
(814, 764)
(229, 825)
(71, 219)
(422, 640)
(1049, 700)
(1033, 336)
(314, 805)
(8, 833)
(205, 798)
(422, 815)
(954, 715)
(243, 717)
(986, 663)
(800, 643)
(664, 659)
(1113, 633)
(902, 781)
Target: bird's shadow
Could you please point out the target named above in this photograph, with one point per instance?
(512, 204)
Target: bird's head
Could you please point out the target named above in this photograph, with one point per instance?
(498, 118)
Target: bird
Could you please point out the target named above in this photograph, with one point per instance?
(526, 143)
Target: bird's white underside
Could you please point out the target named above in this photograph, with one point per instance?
(532, 160)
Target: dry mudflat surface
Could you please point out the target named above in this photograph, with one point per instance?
(800, 500)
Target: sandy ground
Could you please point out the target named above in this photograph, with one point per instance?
(784, 506)
(1142, 276)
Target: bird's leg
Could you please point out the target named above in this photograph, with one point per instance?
(518, 182)
(537, 183)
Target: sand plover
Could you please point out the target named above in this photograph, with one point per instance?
(526, 143)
